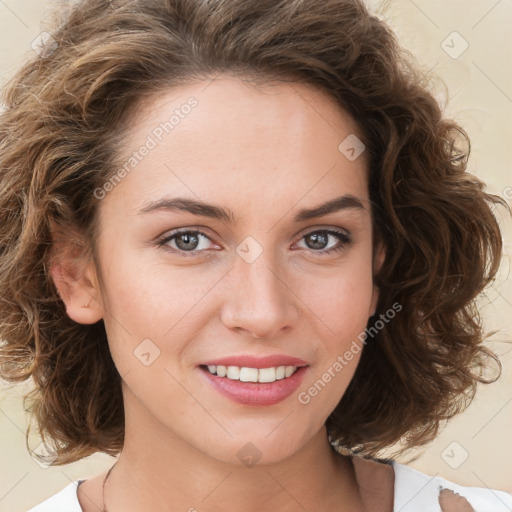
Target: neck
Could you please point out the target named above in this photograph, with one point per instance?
(140, 482)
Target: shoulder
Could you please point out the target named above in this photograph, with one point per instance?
(66, 500)
(418, 492)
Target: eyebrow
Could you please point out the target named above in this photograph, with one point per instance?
(203, 209)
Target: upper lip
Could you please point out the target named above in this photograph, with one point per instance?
(257, 362)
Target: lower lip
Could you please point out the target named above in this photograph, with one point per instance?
(255, 393)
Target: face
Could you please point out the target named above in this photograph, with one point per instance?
(185, 285)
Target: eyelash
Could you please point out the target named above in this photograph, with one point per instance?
(343, 237)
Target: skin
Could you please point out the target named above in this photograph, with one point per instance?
(279, 154)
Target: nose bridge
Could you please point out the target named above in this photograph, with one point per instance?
(258, 299)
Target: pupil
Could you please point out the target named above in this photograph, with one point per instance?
(188, 238)
(316, 237)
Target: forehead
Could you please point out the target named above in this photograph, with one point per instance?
(242, 94)
(229, 139)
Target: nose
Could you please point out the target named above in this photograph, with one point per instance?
(259, 300)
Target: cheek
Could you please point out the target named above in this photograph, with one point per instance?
(350, 304)
(150, 297)
(341, 299)
(156, 303)
(342, 305)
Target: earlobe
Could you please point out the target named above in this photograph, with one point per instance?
(78, 294)
(74, 274)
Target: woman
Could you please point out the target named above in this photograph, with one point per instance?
(240, 252)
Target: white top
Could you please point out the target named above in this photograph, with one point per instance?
(413, 492)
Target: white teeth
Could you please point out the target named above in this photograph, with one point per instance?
(246, 374)
(233, 373)
(267, 375)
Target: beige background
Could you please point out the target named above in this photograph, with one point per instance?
(476, 447)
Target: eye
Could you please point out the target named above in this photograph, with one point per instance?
(191, 241)
(319, 240)
(194, 241)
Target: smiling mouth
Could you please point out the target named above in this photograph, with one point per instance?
(247, 374)
(262, 387)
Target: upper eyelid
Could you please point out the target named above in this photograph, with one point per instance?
(178, 231)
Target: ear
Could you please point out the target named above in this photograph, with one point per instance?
(378, 260)
(74, 275)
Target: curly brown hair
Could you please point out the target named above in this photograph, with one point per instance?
(64, 117)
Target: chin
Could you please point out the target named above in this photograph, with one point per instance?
(253, 450)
